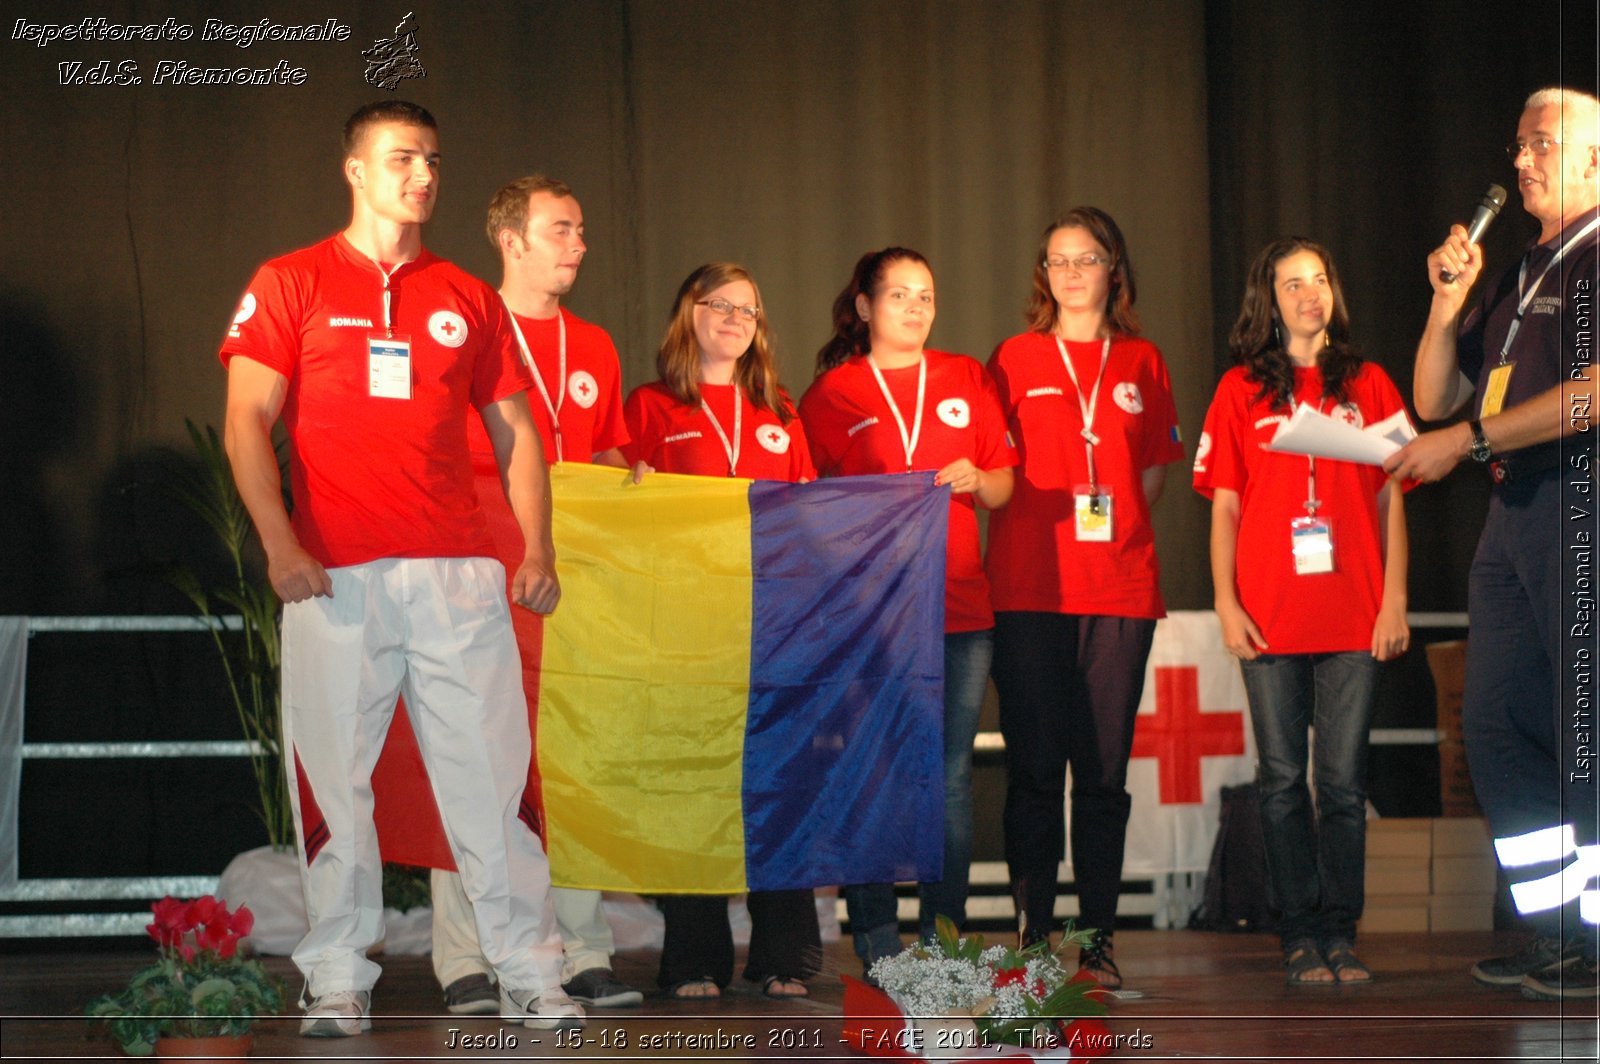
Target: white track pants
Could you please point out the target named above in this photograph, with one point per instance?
(438, 631)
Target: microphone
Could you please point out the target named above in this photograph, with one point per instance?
(1488, 207)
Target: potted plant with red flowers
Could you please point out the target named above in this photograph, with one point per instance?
(201, 987)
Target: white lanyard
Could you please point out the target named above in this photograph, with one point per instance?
(388, 326)
(1086, 407)
(729, 448)
(1527, 294)
(907, 440)
(561, 374)
(1312, 502)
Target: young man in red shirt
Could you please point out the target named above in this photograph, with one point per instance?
(374, 352)
(536, 224)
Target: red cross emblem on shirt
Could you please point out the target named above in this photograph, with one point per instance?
(583, 388)
(448, 328)
(772, 437)
(1178, 734)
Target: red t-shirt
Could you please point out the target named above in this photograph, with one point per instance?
(590, 408)
(674, 437)
(378, 477)
(1035, 560)
(1311, 613)
(853, 432)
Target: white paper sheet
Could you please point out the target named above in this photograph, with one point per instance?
(1310, 432)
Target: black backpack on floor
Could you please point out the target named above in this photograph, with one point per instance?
(1236, 894)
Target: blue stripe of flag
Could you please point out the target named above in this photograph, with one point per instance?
(843, 776)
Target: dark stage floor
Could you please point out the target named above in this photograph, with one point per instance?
(1206, 997)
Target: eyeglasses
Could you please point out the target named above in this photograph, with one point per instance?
(749, 312)
(1082, 262)
(1538, 145)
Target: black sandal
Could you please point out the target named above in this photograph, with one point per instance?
(707, 987)
(1302, 959)
(1095, 958)
(771, 982)
(1345, 965)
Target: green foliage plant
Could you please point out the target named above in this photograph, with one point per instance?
(249, 657)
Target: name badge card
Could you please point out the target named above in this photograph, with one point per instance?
(1494, 389)
(1091, 515)
(389, 367)
(1312, 538)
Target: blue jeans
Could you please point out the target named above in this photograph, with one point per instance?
(871, 906)
(1316, 864)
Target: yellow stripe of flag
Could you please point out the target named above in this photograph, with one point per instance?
(650, 646)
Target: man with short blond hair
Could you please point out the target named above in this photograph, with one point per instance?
(1523, 354)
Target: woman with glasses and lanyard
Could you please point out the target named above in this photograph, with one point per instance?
(719, 411)
(883, 403)
(1072, 564)
(1308, 558)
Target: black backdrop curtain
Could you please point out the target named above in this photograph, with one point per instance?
(789, 136)
(1371, 128)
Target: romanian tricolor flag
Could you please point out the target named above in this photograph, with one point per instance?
(742, 688)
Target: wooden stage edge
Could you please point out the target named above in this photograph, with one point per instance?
(1205, 997)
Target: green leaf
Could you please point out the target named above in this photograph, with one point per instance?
(250, 657)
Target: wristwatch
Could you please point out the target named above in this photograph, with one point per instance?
(1479, 451)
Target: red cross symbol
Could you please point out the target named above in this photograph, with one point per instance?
(1178, 734)
(447, 327)
(772, 436)
(954, 410)
(583, 388)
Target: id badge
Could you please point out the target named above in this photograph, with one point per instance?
(1313, 545)
(389, 367)
(1494, 390)
(1091, 515)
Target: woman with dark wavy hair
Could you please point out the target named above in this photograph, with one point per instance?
(718, 410)
(883, 403)
(1072, 568)
(1308, 558)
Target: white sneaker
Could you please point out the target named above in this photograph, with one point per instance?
(551, 1010)
(338, 1015)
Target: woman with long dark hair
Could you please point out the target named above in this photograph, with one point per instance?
(1072, 569)
(884, 403)
(1308, 557)
(719, 411)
